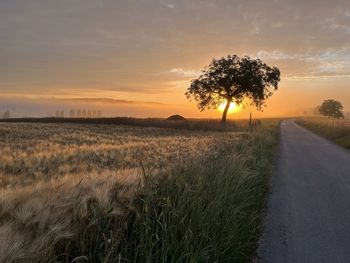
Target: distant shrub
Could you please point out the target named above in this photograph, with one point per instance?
(176, 118)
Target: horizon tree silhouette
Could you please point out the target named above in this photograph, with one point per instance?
(316, 110)
(72, 113)
(233, 79)
(5, 115)
(332, 108)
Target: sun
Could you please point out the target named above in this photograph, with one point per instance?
(233, 107)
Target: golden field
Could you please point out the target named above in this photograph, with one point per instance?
(89, 192)
(32, 152)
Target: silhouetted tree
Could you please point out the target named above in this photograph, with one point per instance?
(332, 108)
(5, 115)
(58, 113)
(232, 79)
(99, 114)
(78, 113)
(62, 114)
(72, 113)
(316, 111)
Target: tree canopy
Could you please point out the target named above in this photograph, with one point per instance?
(332, 108)
(233, 79)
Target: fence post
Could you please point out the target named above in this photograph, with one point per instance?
(250, 121)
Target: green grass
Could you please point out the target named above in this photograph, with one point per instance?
(337, 131)
(207, 211)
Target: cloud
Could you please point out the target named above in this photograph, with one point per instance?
(112, 101)
(88, 47)
(313, 64)
(275, 55)
(185, 72)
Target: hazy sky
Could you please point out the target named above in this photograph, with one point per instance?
(54, 52)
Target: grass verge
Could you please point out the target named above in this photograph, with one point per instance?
(209, 211)
(337, 131)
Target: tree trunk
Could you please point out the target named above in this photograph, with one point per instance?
(224, 114)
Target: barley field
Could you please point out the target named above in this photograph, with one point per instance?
(114, 193)
(31, 152)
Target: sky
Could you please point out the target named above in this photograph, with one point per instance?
(137, 57)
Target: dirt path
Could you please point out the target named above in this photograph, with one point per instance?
(308, 214)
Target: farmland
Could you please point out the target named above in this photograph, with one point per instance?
(47, 151)
(332, 129)
(114, 193)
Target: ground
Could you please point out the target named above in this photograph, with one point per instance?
(100, 193)
(307, 215)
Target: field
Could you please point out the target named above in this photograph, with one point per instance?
(114, 193)
(190, 124)
(332, 129)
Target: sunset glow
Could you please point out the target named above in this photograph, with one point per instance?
(147, 131)
(232, 109)
(132, 53)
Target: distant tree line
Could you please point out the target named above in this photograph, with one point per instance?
(5, 115)
(79, 113)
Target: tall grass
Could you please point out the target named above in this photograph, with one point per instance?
(203, 208)
(208, 211)
(335, 130)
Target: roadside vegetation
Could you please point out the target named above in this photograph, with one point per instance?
(103, 193)
(337, 130)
